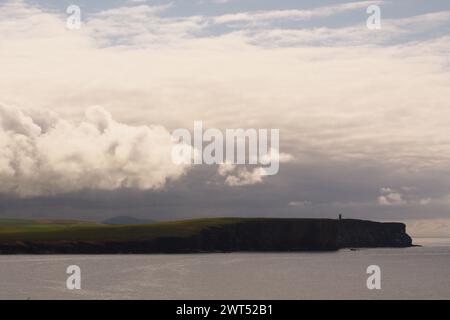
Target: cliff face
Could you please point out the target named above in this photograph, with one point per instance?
(240, 235)
(359, 233)
(302, 235)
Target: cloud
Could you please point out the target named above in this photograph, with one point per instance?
(390, 198)
(265, 16)
(401, 197)
(245, 177)
(240, 176)
(226, 168)
(45, 156)
(274, 155)
(221, 1)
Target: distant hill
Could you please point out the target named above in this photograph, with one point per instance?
(198, 235)
(127, 220)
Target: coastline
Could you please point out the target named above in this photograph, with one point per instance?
(208, 236)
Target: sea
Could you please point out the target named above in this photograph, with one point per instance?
(403, 273)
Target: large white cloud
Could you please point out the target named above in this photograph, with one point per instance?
(41, 156)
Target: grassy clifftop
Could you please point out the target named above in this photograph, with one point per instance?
(199, 235)
(72, 230)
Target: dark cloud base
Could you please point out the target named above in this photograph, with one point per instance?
(322, 189)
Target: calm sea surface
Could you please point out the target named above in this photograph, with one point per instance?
(411, 273)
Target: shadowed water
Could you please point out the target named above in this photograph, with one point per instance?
(411, 273)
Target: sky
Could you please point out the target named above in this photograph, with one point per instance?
(86, 115)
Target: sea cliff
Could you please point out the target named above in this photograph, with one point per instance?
(206, 235)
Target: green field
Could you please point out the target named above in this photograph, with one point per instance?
(71, 230)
